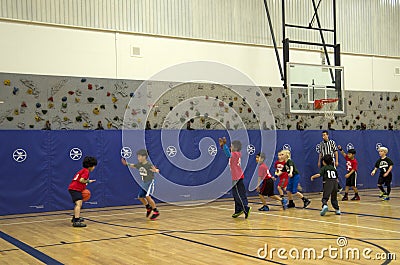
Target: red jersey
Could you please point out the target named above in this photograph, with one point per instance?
(280, 165)
(263, 172)
(351, 164)
(75, 184)
(234, 164)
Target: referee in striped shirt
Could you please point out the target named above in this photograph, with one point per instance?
(328, 147)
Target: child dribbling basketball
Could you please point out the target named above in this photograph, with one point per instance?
(265, 185)
(78, 184)
(146, 171)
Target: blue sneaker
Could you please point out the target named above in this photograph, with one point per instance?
(324, 210)
(385, 198)
(284, 203)
(337, 212)
(265, 208)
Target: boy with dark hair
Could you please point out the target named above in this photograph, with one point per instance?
(328, 147)
(294, 178)
(351, 176)
(77, 185)
(265, 185)
(385, 166)
(238, 189)
(146, 171)
(330, 184)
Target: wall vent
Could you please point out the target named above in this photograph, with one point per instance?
(135, 51)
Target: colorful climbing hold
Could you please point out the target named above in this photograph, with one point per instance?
(64, 99)
(50, 99)
(38, 105)
(83, 80)
(90, 99)
(71, 92)
(90, 86)
(7, 82)
(15, 90)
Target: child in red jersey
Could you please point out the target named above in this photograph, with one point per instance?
(351, 176)
(281, 173)
(238, 189)
(265, 185)
(78, 184)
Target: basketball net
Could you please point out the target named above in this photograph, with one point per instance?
(328, 106)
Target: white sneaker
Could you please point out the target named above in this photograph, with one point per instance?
(324, 210)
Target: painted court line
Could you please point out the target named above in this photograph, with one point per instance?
(101, 215)
(318, 221)
(28, 249)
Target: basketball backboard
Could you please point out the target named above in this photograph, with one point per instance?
(308, 82)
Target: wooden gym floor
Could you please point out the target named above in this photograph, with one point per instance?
(207, 234)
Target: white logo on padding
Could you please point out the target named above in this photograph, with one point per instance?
(317, 148)
(20, 155)
(75, 154)
(126, 152)
(251, 149)
(349, 146)
(212, 150)
(287, 147)
(378, 145)
(171, 151)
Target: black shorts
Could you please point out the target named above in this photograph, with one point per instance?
(267, 187)
(75, 195)
(352, 180)
(385, 180)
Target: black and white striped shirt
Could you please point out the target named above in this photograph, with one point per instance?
(328, 148)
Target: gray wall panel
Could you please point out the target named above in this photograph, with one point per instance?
(365, 26)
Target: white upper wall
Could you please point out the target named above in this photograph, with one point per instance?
(39, 49)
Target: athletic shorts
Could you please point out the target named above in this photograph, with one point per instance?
(283, 182)
(75, 195)
(267, 187)
(146, 189)
(293, 183)
(385, 180)
(352, 180)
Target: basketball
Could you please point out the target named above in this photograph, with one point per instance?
(86, 195)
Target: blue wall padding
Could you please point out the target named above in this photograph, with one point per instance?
(40, 183)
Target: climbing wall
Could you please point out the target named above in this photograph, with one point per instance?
(79, 103)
